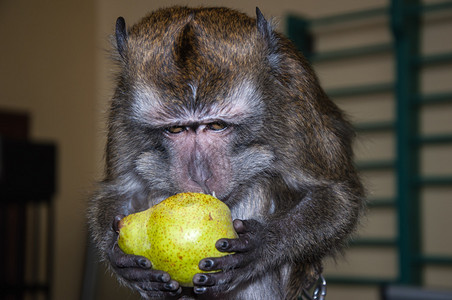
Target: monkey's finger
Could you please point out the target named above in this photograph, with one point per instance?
(115, 224)
(241, 244)
(227, 262)
(132, 261)
(246, 226)
(160, 278)
(239, 226)
(172, 288)
(202, 279)
(122, 260)
(210, 282)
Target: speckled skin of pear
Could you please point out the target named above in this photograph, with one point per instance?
(177, 233)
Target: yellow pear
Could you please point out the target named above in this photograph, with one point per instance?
(177, 233)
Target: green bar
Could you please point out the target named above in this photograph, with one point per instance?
(375, 165)
(405, 28)
(435, 260)
(437, 98)
(429, 8)
(362, 242)
(434, 59)
(435, 139)
(374, 127)
(348, 17)
(435, 181)
(297, 31)
(361, 90)
(358, 280)
(351, 52)
(381, 203)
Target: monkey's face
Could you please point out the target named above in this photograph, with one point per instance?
(205, 139)
(194, 101)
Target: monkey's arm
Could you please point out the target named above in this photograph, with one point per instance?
(316, 226)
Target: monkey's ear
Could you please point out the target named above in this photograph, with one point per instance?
(121, 35)
(269, 37)
(263, 26)
(266, 30)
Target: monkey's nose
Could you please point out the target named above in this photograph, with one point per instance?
(199, 171)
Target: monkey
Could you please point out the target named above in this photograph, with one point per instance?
(211, 100)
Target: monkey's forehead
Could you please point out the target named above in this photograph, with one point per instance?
(198, 35)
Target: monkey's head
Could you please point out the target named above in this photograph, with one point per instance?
(209, 100)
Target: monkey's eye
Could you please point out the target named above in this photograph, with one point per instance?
(175, 129)
(217, 126)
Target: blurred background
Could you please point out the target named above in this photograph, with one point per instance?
(387, 64)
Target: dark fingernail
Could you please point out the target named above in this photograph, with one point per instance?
(175, 293)
(200, 290)
(202, 278)
(207, 263)
(144, 263)
(163, 278)
(223, 244)
(116, 222)
(168, 286)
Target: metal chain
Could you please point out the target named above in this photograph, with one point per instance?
(319, 291)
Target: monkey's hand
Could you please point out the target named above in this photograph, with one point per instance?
(136, 271)
(236, 268)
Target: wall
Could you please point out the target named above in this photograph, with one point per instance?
(47, 68)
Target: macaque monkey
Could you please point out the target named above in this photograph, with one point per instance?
(211, 100)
